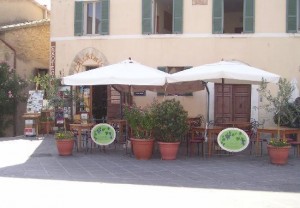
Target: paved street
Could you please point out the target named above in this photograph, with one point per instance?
(33, 175)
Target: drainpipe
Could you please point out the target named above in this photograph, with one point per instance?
(14, 68)
(15, 53)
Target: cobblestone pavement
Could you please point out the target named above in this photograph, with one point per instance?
(238, 180)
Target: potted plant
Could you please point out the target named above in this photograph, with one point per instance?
(64, 142)
(51, 84)
(140, 121)
(170, 126)
(278, 148)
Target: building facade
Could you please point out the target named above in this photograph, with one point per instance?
(172, 35)
(24, 44)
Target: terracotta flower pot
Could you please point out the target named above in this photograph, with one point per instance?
(65, 146)
(168, 150)
(142, 148)
(278, 155)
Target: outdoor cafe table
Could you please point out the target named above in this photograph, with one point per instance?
(79, 127)
(283, 131)
(211, 132)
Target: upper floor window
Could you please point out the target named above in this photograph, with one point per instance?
(91, 17)
(293, 16)
(162, 16)
(233, 16)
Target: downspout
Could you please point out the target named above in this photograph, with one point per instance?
(14, 68)
(14, 51)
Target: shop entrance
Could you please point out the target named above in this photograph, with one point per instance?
(99, 103)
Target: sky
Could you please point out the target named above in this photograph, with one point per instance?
(45, 2)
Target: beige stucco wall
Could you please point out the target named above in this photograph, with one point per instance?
(269, 48)
(269, 17)
(16, 11)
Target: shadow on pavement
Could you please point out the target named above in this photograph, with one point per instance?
(38, 159)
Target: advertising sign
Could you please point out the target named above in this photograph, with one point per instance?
(233, 139)
(103, 134)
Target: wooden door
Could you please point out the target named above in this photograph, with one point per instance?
(237, 103)
(241, 105)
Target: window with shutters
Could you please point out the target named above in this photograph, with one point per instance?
(233, 16)
(91, 17)
(293, 16)
(162, 16)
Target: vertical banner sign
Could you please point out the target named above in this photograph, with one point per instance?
(52, 58)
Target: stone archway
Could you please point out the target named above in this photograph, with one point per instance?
(87, 57)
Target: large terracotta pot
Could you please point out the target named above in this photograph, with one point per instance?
(168, 150)
(278, 155)
(142, 148)
(65, 146)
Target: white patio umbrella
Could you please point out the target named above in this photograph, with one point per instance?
(225, 72)
(127, 72)
(231, 72)
(131, 76)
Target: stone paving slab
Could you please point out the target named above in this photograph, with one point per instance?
(31, 158)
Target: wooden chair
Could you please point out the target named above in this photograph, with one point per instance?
(196, 137)
(253, 137)
(296, 146)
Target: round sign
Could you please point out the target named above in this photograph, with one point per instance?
(103, 134)
(233, 139)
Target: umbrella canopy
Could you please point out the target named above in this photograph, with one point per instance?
(170, 88)
(132, 76)
(127, 72)
(231, 72)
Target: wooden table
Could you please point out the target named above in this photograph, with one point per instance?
(79, 127)
(283, 131)
(211, 132)
(35, 117)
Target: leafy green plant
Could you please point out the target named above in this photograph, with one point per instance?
(64, 135)
(278, 142)
(170, 121)
(12, 93)
(140, 121)
(276, 103)
(290, 116)
(51, 85)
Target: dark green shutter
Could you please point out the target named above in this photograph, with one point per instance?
(249, 16)
(217, 21)
(291, 16)
(177, 16)
(161, 68)
(146, 16)
(105, 17)
(78, 18)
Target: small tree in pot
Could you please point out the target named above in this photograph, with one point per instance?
(141, 124)
(278, 148)
(170, 126)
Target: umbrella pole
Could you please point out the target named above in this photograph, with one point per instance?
(208, 102)
(165, 94)
(222, 100)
